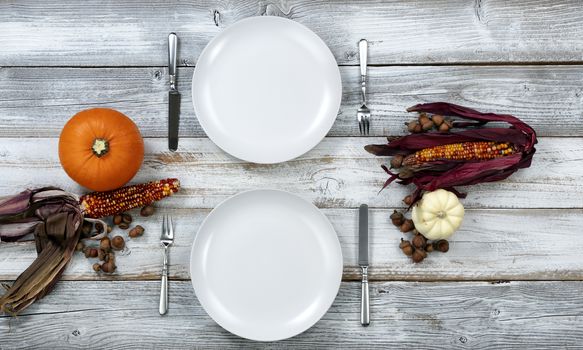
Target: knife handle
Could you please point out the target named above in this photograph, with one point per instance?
(363, 51)
(364, 298)
(172, 45)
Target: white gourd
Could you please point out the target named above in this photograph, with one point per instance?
(438, 214)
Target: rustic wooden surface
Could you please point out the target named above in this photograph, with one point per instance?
(485, 248)
(336, 173)
(437, 315)
(513, 276)
(550, 98)
(131, 32)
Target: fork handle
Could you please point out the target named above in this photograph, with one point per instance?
(363, 49)
(164, 286)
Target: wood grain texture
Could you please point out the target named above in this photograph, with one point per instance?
(123, 315)
(133, 33)
(337, 173)
(472, 53)
(491, 245)
(37, 102)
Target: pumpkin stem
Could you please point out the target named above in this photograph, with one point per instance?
(100, 147)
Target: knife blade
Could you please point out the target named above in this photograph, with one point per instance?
(173, 95)
(363, 235)
(363, 262)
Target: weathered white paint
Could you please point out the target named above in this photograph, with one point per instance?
(337, 173)
(37, 102)
(491, 245)
(46, 33)
(404, 315)
(40, 41)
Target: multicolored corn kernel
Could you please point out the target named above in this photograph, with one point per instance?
(102, 204)
(463, 151)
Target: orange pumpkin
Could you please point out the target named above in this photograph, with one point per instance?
(101, 149)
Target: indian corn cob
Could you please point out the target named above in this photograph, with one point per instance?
(462, 151)
(102, 204)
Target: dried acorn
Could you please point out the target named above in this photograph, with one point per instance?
(406, 247)
(418, 255)
(96, 267)
(407, 226)
(117, 219)
(136, 231)
(437, 119)
(423, 119)
(408, 200)
(397, 161)
(108, 267)
(443, 127)
(148, 210)
(79, 247)
(124, 226)
(427, 125)
(429, 248)
(126, 218)
(118, 243)
(419, 241)
(105, 244)
(442, 245)
(101, 254)
(411, 126)
(397, 218)
(91, 253)
(446, 126)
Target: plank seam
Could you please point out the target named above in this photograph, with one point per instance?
(404, 64)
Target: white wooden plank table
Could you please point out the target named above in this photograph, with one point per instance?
(514, 274)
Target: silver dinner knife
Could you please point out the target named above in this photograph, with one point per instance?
(173, 95)
(363, 262)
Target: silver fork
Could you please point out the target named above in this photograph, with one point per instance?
(166, 239)
(363, 113)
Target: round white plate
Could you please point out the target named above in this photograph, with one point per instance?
(266, 89)
(266, 265)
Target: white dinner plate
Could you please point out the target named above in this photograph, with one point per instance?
(266, 89)
(266, 265)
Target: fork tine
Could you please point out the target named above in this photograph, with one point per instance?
(360, 125)
(170, 227)
(367, 124)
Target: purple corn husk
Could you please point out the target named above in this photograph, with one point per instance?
(18, 230)
(447, 174)
(15, 204)
(19, 214)
(51, 217)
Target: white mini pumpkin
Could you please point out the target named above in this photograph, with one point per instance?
(438, 214)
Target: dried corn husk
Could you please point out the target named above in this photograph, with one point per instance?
(53, 217)
(447, 174)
